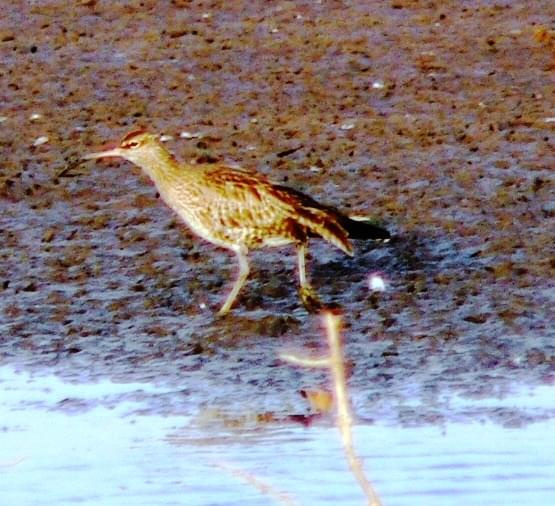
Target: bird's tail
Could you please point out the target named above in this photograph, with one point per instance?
(362, 228)
(325, 224)
(329, 223)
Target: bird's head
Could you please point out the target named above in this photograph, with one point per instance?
(135, 146)
(139, 147)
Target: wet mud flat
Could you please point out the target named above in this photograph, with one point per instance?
(436, 120)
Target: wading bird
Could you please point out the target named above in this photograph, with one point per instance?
(239, 209)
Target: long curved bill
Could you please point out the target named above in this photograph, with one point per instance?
(69, 167)
(110, 153)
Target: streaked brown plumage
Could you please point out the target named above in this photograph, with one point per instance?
(238, 209)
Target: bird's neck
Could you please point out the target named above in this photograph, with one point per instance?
(161, 166)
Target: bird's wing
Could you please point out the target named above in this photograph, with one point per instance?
(247, 194)
(244, 188)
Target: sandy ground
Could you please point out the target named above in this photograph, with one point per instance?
(434, 118)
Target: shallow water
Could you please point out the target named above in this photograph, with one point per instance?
(99, 444)
(130, 390)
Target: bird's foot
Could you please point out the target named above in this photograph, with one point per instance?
(310, 299)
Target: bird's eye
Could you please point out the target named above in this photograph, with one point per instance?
(131, 145)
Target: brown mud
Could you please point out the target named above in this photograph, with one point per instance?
(434, 118)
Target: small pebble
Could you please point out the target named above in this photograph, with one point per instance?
(190, 135)
(48, 235)
(376, 282)
(40, 140)
(35, 116)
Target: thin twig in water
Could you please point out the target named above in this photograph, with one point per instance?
(313, 363)
(277, 495)
(344, 415)
(344, 418)
(12, 463)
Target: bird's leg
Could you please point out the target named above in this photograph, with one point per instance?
(241, 253)
(307, 294)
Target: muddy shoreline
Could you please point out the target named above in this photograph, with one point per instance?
(437, 121)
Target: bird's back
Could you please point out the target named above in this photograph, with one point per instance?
(227, 206)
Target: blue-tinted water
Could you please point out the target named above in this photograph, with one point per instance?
(88, 444)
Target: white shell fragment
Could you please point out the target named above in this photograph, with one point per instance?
(190, 135)
(41, 140)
